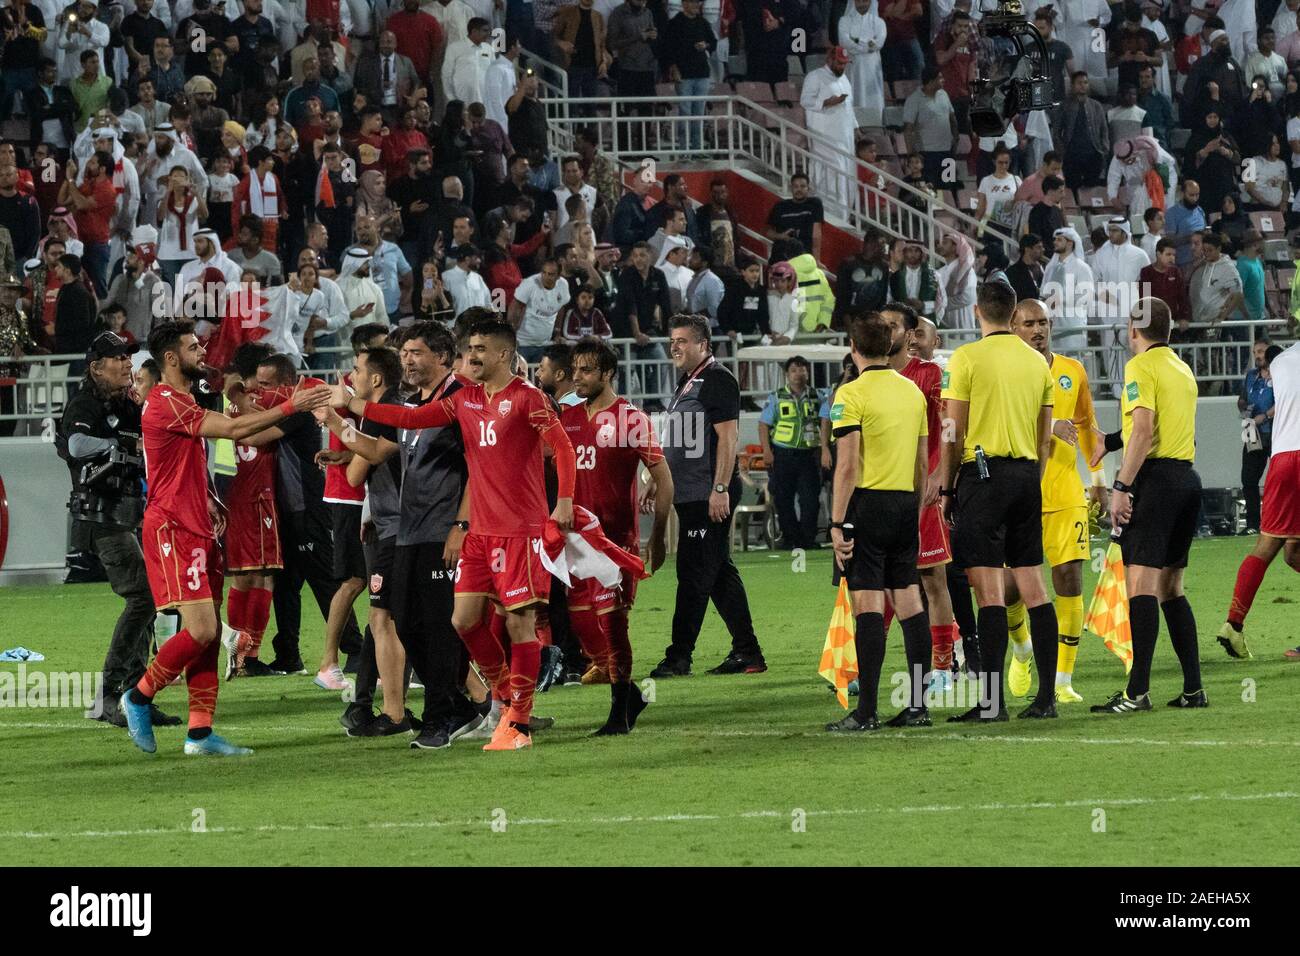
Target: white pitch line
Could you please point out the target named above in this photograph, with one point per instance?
(919, 735)
(658, 818)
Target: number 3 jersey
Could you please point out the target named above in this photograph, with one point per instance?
(609, 447)
(176, 459)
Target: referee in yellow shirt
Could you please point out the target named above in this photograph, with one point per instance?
(1154, 505)
(879, 421)
(1065, 508)
(998, 398)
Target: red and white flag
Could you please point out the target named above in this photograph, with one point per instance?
(585, 552)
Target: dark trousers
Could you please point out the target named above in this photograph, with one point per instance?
(8, 406)
(128, 650)
(1253, 464)
(423, 597)
(705, 572)
(633, 83)
(583, 85)
(796, 473)
(1082, 166)
(308, 547)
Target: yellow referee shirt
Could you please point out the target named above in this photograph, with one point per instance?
(1007, 384)
(1159, 380)
(889, 411)
(1072, 399)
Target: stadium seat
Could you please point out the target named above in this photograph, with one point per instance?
(900, 145)
(904, 88)
(1270, 224)
(1079, 223)
(787, 92)
(1093, 198)
(1277, 250)
(894, 117)
(755, 92)
(967, 200)
(1285, 276)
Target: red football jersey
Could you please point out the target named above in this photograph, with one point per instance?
(254, 468)
(503, 449)
(609, 446)
(176, 459)
(928, 377)
(337, 489)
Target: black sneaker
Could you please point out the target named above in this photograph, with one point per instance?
(416, 723)
(252, 667)
(636, 703)
(435, 739)
(549, 669)
(977, 714)
(461, 724)
(1120, 704)
(671, 668)
(1185, 699)
(852, 725)
(354, 719)
(282, 668)
(570, 678)
(158, 718)
(382, 726)
(735, 663)
(911, 717)
(616, 724)
(1037, 711)
(110, 713)
(536, 723)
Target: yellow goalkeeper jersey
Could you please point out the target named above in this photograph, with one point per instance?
(1072, 399)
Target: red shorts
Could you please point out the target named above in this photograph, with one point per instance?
(589, 593)
(1280, 514)
(253, 535)
(934, 548)
(183, 567)
(508, 570)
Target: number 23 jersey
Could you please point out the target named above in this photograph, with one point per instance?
(609, 446)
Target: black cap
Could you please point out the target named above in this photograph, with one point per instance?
(110, 345)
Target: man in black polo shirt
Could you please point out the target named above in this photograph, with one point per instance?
(306, 525)
(1025, 275)
(799, 217)
(376, 376)
(699, 435)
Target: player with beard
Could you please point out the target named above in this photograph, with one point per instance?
(505, 423)
(179, 535)
(612, 438)
(935, 551)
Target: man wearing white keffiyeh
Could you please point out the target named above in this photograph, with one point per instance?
(364, 299)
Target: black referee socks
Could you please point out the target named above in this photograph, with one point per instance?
(1043, 636)
(1182, 634)
(1144, 622)
(869, 640)
(993, 652)
(917, 645)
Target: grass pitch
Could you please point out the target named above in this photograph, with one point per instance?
(721, 770)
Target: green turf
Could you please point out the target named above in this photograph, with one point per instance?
(721, 770)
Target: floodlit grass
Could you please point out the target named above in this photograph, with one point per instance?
(720, 770)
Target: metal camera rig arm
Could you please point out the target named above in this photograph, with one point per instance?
(1024, 85)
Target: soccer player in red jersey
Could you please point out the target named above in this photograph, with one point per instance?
(504, 422)
(252, 539)
(934, 551)
(179, 535)
(612, 438)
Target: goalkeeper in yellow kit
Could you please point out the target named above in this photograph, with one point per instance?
(1065, 508)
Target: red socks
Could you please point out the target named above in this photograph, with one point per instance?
(941, 640)
(175, 656)
(485, 647)
(1249, 576)
(237, 602)
(525, 661)
(259, 615)
(201, 679)
(590, 629)
(620, 646)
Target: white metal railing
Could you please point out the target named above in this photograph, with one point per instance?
(40, 390)
(744, 134)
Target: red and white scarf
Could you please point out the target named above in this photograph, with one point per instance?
(263, 196)
(183, 215)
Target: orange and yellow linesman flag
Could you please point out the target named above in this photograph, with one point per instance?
(1108, 613)
(839, 663)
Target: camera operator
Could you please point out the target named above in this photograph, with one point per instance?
(100, 440)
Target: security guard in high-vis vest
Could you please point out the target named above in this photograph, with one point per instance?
(790, 431)
(814, 300)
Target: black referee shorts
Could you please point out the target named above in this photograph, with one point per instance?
(349, 556)
(999, 520)
(1166, 503)
(379, 560)
(885, 539)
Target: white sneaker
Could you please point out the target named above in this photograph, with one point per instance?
(332, 679)
(484, 730)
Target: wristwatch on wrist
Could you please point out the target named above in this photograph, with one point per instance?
(1120, 486)
(463, 525)
(720, 489)
(947, 493)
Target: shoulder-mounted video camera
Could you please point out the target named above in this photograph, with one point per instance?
(1012, 70)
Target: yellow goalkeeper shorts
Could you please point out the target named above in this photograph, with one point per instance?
(1065, 535)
